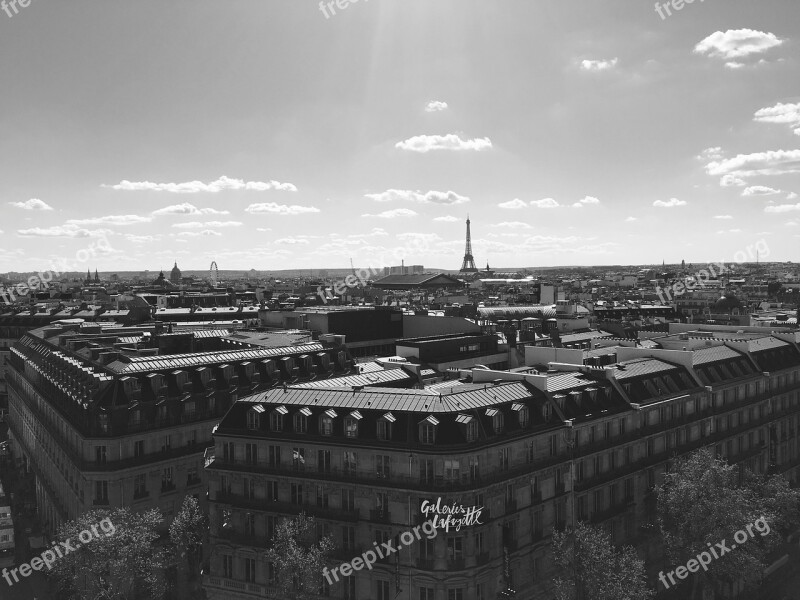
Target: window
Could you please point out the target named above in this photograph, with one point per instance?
(382, 504)
(299, 459)
(455, 593)
(166, 443)
(452, 469)
(351, 427)
(251, 454)
(191, 438)
(497, 419)
(227, 566)
(100, 455)
(101, 491)
(629, 489)
(191, 476)
(324, 461)
(322, 496)
(326, 425)
(472, 430)
(166, 480)
(385, 425)
(274, 456)
(348, 500)
(297, 493)
(300, 422)
(382, 464)
(228, 452)
(349, 463)
(504, 459)
(382, 590)
(249, 488)
(224, 485)
(425, 470)
(349, 587)
(276, 418)
(140, 485)
(138, 448)
(553, 445)
(455, 548)
(254, 418)
(348, 537)
(524, 416)
(250, 570)
(427, 593)
(474, 469)
(427, 430)
(249, 524)
(272, 491)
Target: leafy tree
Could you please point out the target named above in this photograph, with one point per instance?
(702, 503)
(298, 558)
(121, 562)
(594, 570)
(188, 531)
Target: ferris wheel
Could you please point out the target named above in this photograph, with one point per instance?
(213, 272)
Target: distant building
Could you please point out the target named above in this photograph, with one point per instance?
(431, 281)
(175, 275)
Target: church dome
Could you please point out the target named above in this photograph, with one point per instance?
(727, 304)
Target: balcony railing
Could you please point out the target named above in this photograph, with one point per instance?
(380, 515)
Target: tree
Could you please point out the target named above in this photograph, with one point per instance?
(119, 562)
(594, 570)
(188, 531)
(298, 558)
(703, 503)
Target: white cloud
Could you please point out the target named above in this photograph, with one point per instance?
(199, 225)
(514, 204)
(599, 65)
(292, 240)
(713, 153)
(723, 217)
(544, 203)
(394, 213)
(731, 181)
(205, 232)
(67, 231)
(141, 239)
(512, 225)
(194, 187)
(671, 203)
(280, 209)
(264, 229)
(435, 106)
(791, 196)
(729, 231)
(772, 162)
(431, 197)
(188, 209)
(447, 219)
(631, 219)
(782, 208)
(737, 43)
(760, 190)
(783, 114)
(451, 141)
(111, 220)
(586, 201)
(32, 204)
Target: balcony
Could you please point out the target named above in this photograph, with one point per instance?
(380, 515)
(140, 495)
(456, 564)
(426, 564)
(100, 502)
(168, 487)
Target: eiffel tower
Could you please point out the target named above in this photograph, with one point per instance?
(468, 266)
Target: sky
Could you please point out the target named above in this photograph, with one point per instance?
(277, 134)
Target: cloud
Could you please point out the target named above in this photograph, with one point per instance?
(782, 208)
(205, 232)
(772, 162)
(432, 197)
(279, 209)
(671, 203)
(426, 143)
(760, 190)
(514, 204)
(736, 43)
(194, 187)
(631, 219)
(187, 209)
(264, 229)
(783, 114)
(586, 201)
(544, 203)
(599, 65)
(292, 241)
(32, 204)
(66, 231)
(723, 217)
(512, 225)
(447, 219)
(199, 225)
(713, 153)
(791, 196)
(730, 231)
(394, 213)
(111, 220)
(141, 239)
(731, 181)
(435, 106)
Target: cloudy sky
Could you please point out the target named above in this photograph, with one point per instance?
(269, 134)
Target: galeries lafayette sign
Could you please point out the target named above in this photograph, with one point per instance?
(454, 515)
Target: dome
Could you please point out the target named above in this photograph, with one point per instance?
(726, 304)
(175, 275)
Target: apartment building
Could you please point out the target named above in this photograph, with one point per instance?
(123, 416)
(535, 449)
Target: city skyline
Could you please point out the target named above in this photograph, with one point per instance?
(581, 134)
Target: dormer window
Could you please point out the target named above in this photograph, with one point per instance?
(276, 418)
(470, 426)
(497, 419)
(254, 417)
(351, 424)
(301, 420)
(523, 414)
(385, 424)
(427, 430)
(326, 422)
